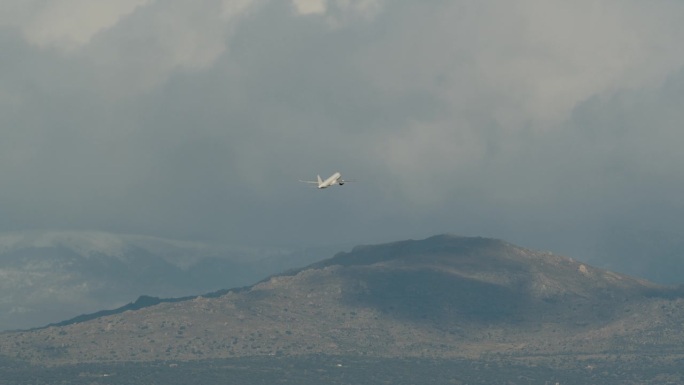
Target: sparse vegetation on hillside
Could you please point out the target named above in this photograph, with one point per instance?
(444, 298)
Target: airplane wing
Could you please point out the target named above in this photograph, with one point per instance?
(308, 181)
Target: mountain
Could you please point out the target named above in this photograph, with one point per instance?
(49, 276)
(441, 297)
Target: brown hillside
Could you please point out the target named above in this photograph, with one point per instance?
(444, 296)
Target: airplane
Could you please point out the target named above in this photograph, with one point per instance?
(333, 179)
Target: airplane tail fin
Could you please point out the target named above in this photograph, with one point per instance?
(320, 181)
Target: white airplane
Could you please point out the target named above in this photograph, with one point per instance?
(333, 179)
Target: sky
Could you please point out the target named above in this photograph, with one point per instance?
(554, 125)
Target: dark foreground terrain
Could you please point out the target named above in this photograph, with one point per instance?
(332, 370)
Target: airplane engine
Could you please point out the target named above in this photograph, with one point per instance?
(340, 183)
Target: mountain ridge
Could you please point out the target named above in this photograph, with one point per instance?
(48, 276)
(444, 296)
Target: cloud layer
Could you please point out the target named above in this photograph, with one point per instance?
(547, 123)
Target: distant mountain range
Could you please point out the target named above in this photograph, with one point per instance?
(46, 277)
(441, 297)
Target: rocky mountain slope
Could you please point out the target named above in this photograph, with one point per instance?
(444, 296)
(47, 277)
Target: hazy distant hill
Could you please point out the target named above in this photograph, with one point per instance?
(442, 297)
(47, 277)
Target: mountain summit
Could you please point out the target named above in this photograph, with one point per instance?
(444, 296)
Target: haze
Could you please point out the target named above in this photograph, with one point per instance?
(553, 125)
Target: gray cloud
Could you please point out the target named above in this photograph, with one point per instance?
(552, 125)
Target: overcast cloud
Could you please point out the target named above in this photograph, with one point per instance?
(550, 124)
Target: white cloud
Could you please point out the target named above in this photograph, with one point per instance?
(194, 117)
(512, 71)
(339, 13)
(130, 46)
(534, 59)
(68, 24)
(309, 7)
(365, 8)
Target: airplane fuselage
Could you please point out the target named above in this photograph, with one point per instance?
(332, 180)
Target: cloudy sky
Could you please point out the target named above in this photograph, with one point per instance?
(552, 124)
